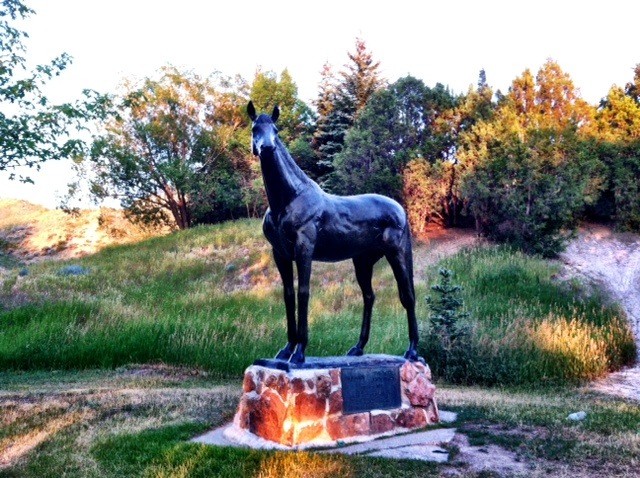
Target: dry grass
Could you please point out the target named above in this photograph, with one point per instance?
(92, 405)
(57, 419)
(30, 232)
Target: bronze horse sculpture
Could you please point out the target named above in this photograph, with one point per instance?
(305, 224)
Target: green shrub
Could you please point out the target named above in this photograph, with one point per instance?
(620, 199)
(529, 193)
(446, 340)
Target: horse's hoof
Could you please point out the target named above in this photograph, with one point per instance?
(412, 355)
(297, 358)
(284, 354)
(355, 351)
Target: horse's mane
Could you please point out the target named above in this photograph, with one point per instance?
(283, 155)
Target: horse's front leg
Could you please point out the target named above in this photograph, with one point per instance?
(304, 252)
(285, 267)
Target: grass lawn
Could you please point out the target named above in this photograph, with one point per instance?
(136, 421)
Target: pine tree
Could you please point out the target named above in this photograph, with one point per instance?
(339, 102)
(361, 78)
(325, 140)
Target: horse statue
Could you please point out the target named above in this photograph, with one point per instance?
(305, 224)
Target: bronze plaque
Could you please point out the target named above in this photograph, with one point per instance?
(370, 388)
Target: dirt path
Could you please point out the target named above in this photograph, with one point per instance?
(612, 260)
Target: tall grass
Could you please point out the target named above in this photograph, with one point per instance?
(527, 327)
(210, 297)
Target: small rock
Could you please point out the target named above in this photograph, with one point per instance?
(577, 416)
(448, 417)
(73, 271)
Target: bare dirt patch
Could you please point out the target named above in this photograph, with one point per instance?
(612, 261)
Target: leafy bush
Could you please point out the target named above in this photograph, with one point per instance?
(529, 193)
(623, 162)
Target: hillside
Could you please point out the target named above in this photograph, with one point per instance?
(31, 233)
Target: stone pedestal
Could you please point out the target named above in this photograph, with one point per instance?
(295, 405)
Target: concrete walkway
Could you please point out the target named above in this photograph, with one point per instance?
(427, 445)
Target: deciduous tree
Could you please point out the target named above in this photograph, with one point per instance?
(32, 130)
(172, 151)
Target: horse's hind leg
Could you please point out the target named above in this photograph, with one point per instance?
(364, 271)
(285, 267)
(401, 261)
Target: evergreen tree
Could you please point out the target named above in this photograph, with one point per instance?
(325, 142)
(360, 79)
(341, 100)
(400, 123)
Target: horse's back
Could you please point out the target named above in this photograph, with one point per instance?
(363, 224)
(370, 209)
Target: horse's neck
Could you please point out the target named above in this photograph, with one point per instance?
(283, 178)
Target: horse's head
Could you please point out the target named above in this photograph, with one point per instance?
(263, 131)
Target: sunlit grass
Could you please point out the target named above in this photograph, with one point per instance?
(526, 326)
(210, 297)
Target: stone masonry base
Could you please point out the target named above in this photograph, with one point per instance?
(305, 406)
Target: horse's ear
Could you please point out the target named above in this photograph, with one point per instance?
(276, 113)
(251, 111)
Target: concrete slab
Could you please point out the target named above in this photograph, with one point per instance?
(425, 445)
(431, 453)
(429, 437)
(447, 417)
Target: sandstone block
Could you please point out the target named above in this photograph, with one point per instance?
(348, 425)
(266, 418)
(420, 391)
(309, 406)
(381, 423)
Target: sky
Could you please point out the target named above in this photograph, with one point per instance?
(446, 42)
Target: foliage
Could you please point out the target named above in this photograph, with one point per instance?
(400, 123)
(529, 169)
(424, 192)
(210, 297)
(530, 194)
(526, 328)
(446, 340)
(621, 199)
(32, 130)
(296, 118)
(339, 102)
(618, 118)
(174, 151)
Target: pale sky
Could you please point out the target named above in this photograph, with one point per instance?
(448, 41)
